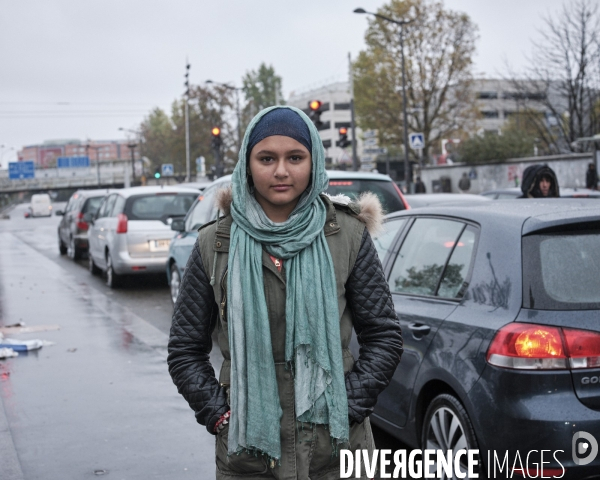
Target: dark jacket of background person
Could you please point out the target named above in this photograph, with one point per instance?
(420, 186)
(530, 186)
(591, 177)
(464, 183)
(365, 304)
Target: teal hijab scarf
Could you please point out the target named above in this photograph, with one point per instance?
(313, 347)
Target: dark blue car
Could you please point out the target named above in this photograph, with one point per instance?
(499, 304)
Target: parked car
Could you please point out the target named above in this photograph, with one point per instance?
(427, 199)
(196, 185)
(131, 232)
(499, 310)
(41, 205)
(351, 184)
(202, 211)
(515, 192)
(73, 227)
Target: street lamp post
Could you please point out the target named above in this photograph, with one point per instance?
(138, 133)
(401, 23)
(355, 164)
(87, 148)
(132, 147)
(5, 149)
(188, 173)
(237, 108)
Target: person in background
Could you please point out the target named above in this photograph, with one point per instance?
(284, 276)
(539, 181)
(420, 186)
(464, 183)
(591, 177)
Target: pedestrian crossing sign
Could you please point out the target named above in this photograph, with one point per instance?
(167, 170)
(417, 140)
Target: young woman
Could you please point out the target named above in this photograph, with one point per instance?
(283, 277)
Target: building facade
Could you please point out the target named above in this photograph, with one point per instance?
(336, 114)
(498, 100)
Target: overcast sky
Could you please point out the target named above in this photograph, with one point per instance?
(83, 68)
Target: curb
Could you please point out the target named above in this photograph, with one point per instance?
(11, 466)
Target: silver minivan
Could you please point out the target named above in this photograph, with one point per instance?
(131, 232)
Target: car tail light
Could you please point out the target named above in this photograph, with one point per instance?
(540, 347)
(527, 346)
(121, 223)
(583, 348)
(450, 244)
(81, 224)
(340, 183)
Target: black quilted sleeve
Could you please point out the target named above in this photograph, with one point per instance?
(190, 343)
(377, 329)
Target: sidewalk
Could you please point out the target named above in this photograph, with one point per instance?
(100, 400)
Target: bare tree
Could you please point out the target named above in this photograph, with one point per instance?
(439, 45)
(563, 80)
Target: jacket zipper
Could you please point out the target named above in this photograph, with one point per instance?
(223, 295)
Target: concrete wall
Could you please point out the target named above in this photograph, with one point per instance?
(570, 171)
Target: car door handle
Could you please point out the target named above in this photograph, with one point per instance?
(419, 328)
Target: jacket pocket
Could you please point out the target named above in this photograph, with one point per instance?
(237, 464)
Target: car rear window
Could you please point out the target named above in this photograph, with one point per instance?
(158, 206)
(92, 205)
(385, 191)
(561, 271)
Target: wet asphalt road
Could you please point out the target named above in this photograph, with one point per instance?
(99, 400)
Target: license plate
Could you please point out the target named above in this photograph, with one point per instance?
(159, 245)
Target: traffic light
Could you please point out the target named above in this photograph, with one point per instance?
(315, 112)
(157, 173)
(343, 142)
(216, 138)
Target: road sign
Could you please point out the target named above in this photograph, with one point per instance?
(371, 142)
(375, 151)
(167, 170)
(73, 162)
(417, 140)
(369, 134)
(19, 170)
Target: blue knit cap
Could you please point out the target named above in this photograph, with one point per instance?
(280, 121)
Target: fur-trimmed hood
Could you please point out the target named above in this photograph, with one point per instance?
(367, 208)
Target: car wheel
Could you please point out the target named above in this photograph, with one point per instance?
(175, 282)
(113, 280)
(73, 252)
(447, 427)
(62, 248)
(94, 270)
